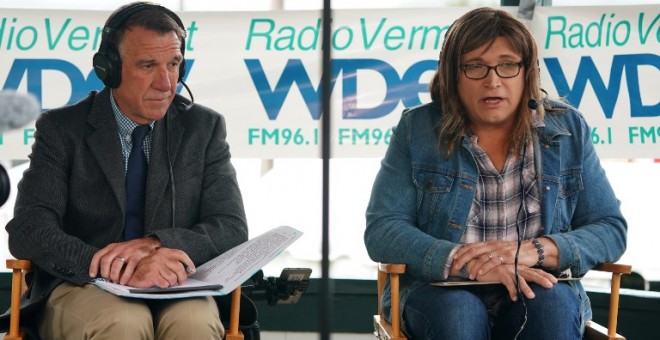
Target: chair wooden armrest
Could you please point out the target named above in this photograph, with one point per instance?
(234, 333)
(20, 267)
(383, 329)
(595, 331)
(386, 331)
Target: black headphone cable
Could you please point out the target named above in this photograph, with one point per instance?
(522, 207)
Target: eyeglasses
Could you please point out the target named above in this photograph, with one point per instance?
(503, 70)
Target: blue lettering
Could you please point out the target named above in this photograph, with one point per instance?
(632, 62)
(294, 72)
(31, 71)
(411, 87)
(607, 95)
(350, 68)
(405, 89)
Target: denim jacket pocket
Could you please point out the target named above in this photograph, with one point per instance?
(432, 188)
(570, 184)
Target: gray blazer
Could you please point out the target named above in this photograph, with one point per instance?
(71, 199)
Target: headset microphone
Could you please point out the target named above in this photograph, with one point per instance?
(533, 103)
(192, 99)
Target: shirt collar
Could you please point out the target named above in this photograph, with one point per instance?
(125, 124)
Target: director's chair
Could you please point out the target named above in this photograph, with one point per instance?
(18, 286)
(386, 331)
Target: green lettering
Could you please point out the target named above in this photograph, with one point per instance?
(618, 42)
(561, 21)
(20, 41)
(575, 39)
(252, 33)
(84, 36)
(348, 40)
(395, 35)
(97, 38)
(369, 41)
(49, 34)
(28, 134)
(644, 35)
(598, 27)
(314, 39)
(425, 36)
(189, 38)
(285, 41)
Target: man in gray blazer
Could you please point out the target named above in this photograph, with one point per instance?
(71, 204)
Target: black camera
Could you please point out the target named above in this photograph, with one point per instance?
(285, 289)
(4, 185)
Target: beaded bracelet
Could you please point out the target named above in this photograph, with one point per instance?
(539, 250)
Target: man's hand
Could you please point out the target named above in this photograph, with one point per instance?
(505, 274)
(163, 268)
(117, 261)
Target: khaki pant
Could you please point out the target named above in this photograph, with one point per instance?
(89, 312)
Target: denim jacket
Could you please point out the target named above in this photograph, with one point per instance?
(421, 199)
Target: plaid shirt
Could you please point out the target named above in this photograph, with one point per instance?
(506, 201)
(125, 128)
(503, 202)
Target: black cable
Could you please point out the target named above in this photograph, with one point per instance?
(167, 150)
(522, 207)
(192, 99)
(170, 168)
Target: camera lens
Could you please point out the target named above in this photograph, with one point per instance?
(4, 185)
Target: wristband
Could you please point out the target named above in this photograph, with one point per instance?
(539, 250)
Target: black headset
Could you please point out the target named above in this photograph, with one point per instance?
(107, 62)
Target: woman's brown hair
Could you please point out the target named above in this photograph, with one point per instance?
(473, 30)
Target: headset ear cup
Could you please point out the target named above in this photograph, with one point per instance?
(108, 67)
(101, 67)
(107, 62)
(114, 61)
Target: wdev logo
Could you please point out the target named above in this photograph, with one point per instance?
(32, 71)
(406, 88)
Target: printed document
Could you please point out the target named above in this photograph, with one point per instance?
(222, 274)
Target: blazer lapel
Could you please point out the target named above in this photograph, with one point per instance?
(104, 145)
(167, 134)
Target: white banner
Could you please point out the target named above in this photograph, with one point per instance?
(262, 70)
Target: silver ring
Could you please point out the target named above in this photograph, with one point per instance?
(501, 260)
(120, 259)
(490, 256)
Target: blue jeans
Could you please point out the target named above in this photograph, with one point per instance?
(486, 312)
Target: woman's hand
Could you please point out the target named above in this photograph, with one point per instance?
(505, 274)
(485, 256)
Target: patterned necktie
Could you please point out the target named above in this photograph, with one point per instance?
(136, 180)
